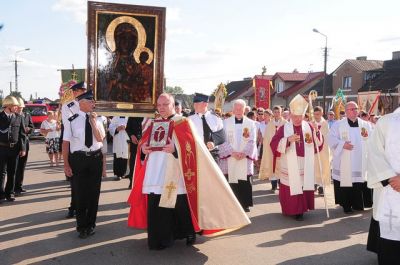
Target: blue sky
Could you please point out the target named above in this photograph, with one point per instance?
(207, 42)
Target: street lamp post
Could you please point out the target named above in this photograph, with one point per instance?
(325, 60)
(16, 67)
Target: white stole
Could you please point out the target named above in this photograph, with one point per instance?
(296, 184)
(345, 159)
(237, 169)
(172, 174)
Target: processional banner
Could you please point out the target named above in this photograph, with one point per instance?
(262, 92)
(368, 101)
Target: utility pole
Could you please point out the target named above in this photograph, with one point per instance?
(16, 67)
(325, 60)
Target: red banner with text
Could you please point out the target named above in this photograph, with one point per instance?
(262, 93)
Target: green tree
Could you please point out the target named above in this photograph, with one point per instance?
(173, 90)
(16, 94)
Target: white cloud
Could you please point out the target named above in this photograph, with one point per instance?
(78, 8)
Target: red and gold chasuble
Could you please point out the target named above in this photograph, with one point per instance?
(190, 152)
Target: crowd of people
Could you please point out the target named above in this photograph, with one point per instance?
(295, 148)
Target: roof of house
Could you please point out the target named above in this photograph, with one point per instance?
(288, 77)
(310, 77)
(319, 86)
(363, 65)
(268, 77)
(236, 88)
(388, 80)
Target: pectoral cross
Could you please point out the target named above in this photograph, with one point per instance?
(391, 216)
(170, 187)
(189, 174)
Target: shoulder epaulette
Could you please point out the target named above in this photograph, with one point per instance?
(73, 117)
(69, 105)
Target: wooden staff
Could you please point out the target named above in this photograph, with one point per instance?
(312, 96)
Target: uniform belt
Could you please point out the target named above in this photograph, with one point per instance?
(88, 153)
(11, 145)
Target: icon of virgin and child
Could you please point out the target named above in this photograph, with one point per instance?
(127, 74)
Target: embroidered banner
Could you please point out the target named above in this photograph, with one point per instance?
(262, 92)
(368, 101)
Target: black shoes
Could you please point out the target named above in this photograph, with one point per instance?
(320, 191)
(117, 178)
(90, 232)
(70, 214)
(82, 234)
(10, 198)
(18, 192)
(86, 233)
(247, 209)
(348, 211)
(299, 217)
(190, 240)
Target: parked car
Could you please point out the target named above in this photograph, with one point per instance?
(39, 114)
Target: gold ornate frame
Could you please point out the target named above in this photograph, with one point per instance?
(104, 63)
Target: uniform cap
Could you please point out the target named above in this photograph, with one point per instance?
(87, 95)
(77, 86)
(198, 97)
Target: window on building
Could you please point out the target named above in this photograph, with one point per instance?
(347, 82)
(279, 86)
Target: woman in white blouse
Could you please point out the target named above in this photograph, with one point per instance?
(51, 130)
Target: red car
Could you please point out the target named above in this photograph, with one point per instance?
(39, 114)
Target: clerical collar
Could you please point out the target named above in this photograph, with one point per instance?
(237, 121)
(169, 117)
(352, 123)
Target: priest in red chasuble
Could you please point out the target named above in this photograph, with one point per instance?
(179, 190)
(296, 143)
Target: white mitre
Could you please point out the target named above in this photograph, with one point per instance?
(298, 105)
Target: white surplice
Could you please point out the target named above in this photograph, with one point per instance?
(383, 164)
(120, 144)
(349, 166)
(238, 135)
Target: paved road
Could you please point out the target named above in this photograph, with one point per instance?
(33, 230)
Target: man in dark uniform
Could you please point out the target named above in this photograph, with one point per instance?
(19, 175)
(12, 145)
(134, 131)
(85, 134)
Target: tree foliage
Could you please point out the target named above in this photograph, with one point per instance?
(173, 90)
(16, 94)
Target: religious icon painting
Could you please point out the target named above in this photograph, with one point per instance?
(161, 131)
(125, 57)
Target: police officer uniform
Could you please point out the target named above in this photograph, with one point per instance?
(208, 126)
(19, 175)
(86, 161)
(12, 142)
